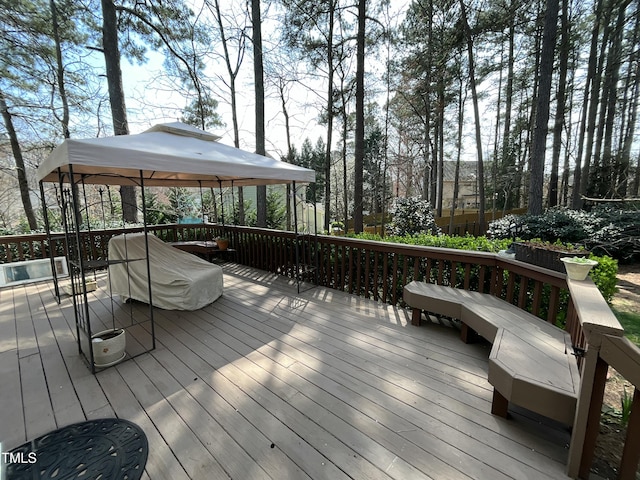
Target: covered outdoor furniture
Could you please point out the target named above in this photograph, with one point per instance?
(179, 280)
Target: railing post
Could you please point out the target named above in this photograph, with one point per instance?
(586, 425)
(631, 451)
(598, 323)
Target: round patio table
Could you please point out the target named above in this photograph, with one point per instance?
(108, 448)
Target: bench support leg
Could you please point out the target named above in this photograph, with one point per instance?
(467, 334)
(416, 316)
(500, 405)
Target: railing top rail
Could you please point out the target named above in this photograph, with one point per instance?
(551, 277)
(624, 355)
(22, 238)
(594, 312)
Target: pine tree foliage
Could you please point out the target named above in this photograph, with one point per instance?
(414, 91)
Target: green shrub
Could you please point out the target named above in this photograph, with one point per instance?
(606, 230)
(604, 275)
(413, 216)
(478, 244)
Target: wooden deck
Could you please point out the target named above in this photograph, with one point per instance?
(265, 383)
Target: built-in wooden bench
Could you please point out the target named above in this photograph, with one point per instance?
(530, 363)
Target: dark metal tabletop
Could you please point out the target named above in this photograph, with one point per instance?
(108, 448)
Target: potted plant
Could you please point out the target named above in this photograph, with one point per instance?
(578, 267)
(108, 347)
(546, 254)
(222, 242)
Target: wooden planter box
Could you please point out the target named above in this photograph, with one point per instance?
(544, 257)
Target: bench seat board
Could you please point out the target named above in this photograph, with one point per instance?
(435, 298)
(545, 382)
(504, 315)
(530, 362)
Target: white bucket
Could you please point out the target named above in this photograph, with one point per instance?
(108, 347)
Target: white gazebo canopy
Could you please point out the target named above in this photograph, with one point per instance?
(172, 155)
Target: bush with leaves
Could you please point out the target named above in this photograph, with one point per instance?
(509, 226)
(605, 230)
(604, 275)
(617, 234)
(412, 216)
(468, 242)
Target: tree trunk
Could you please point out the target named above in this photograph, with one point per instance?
(64, 120)
(258, 73)
(458, 154)
(111, 51)
(428, 170)
(612, 74)
(440, 138)
(345, 186)
(386, 134)
(542, 110)
(21, 171)
(496, 138)
(560, 105)
(358, 225)
(598, 62)
(581, 173)
(233, 73)
(635, 189)
(525, 160)
(327, 159)
(508, 161)
(633, 77)
(476, 113)
(290, 153)
(566, 173)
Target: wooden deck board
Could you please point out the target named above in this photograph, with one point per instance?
(193, 373)
(92, 399)
(377, 392)
(162, 462)
(8, 337)
(305, 411)
(11, 419)
(257, 403)
(266, 383)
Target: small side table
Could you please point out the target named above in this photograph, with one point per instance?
(200, 247)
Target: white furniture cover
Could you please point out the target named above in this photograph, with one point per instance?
(179, 280)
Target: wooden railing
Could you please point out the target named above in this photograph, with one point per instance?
(606, 346)
(371, 269)
(379, 271)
